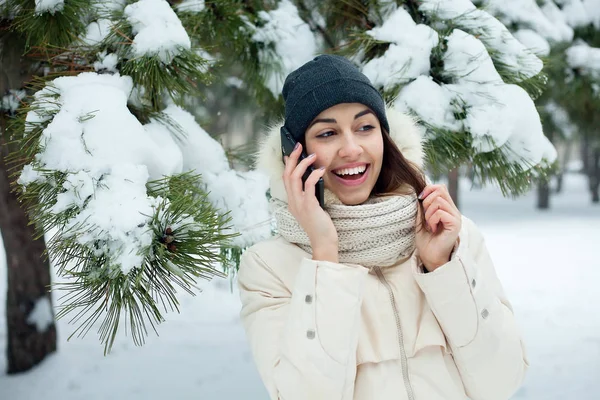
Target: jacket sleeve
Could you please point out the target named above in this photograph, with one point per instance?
(469, 303)
(304, 341)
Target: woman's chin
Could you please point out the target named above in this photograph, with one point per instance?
(353, 199)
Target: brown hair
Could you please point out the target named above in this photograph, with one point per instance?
(397, 173)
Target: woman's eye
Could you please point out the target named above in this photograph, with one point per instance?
(366, 128)
(325, 134)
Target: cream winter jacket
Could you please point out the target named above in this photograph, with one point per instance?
(322, 330)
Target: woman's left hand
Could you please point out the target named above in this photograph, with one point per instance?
(437, 239)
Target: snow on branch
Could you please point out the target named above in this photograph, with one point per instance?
(288, 43)
(584, 58)
(157, 29)
(49, 6)
(507, 52)
(408, 54)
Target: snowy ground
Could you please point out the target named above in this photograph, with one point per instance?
(548, 262)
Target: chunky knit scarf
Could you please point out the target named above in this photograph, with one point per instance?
(378, 232)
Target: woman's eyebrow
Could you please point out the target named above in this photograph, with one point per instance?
(364, 112)
(325, 120)
(333, 121)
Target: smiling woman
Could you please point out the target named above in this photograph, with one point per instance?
(385, 292)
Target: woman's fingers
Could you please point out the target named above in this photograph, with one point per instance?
(432, 191)
(292, 177)
(439, 203)
(299, 171)
(292, 161)
(311, 182)
(442, 216)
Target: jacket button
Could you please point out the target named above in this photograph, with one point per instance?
(485, 313)
(308, 299)
(473, 283)
(310, 334)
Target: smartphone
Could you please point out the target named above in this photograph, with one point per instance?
(287, 146)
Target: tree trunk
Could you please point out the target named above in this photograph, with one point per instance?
(453, 185)
(543, 194)
(595, 175)
(543, 186)
(28, 275)
(30, 337)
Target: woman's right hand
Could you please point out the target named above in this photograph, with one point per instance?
(305, 207)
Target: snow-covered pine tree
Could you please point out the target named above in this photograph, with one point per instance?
(137, 198)
(453, 66)
(541, 28)
(566, 34)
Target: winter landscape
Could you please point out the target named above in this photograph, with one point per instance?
(127, 130)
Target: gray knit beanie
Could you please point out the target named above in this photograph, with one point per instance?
(325, 82)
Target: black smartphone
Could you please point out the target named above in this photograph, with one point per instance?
(287, 146)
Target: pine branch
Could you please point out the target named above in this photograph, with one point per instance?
(60, 28)
(187, 233)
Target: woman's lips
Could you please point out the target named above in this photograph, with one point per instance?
(353, 182)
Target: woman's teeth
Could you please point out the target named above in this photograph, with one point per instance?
(351, 171)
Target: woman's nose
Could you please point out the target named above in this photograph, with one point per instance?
(350, 148)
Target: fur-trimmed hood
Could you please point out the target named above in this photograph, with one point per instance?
(403, 129)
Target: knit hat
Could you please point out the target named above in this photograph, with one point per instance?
(325, 82)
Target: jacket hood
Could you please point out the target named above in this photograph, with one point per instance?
(403, 130)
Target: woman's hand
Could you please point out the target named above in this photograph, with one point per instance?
(436, 240)
(305, 207)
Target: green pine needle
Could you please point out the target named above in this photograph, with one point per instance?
(58, 29)
(188, 234)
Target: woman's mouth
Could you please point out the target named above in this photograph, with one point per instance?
(352, 176)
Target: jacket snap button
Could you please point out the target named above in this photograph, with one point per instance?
(308, 299)
(473, 283)
(485, 313)
(310, 334)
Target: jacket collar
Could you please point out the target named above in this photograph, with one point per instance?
(403, 129)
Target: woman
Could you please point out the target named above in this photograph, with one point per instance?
(387, 292)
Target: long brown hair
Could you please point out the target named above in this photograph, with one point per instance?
(397, 173)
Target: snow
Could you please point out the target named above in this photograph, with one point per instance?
(408, 54)
(243, 193)
(507, 50)
(431, 102)
(467, 60)
(194, 6)
(41, 315)
(107, 62)
(11, 101)
(96, 32)
(157, 30)
(285, 33)
(546, 261)
(506, 115)
(584, 58)
(579, 13)
(558, 20)
(527, 14)
(106, 170)
(533, 41)
(48, 6)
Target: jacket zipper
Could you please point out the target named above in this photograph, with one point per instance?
(403, 358)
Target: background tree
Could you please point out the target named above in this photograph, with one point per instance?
(109, 160)
(29, 316)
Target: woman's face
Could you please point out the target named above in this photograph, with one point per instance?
(347, 141)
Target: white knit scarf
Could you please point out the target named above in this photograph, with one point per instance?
(378, 232)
